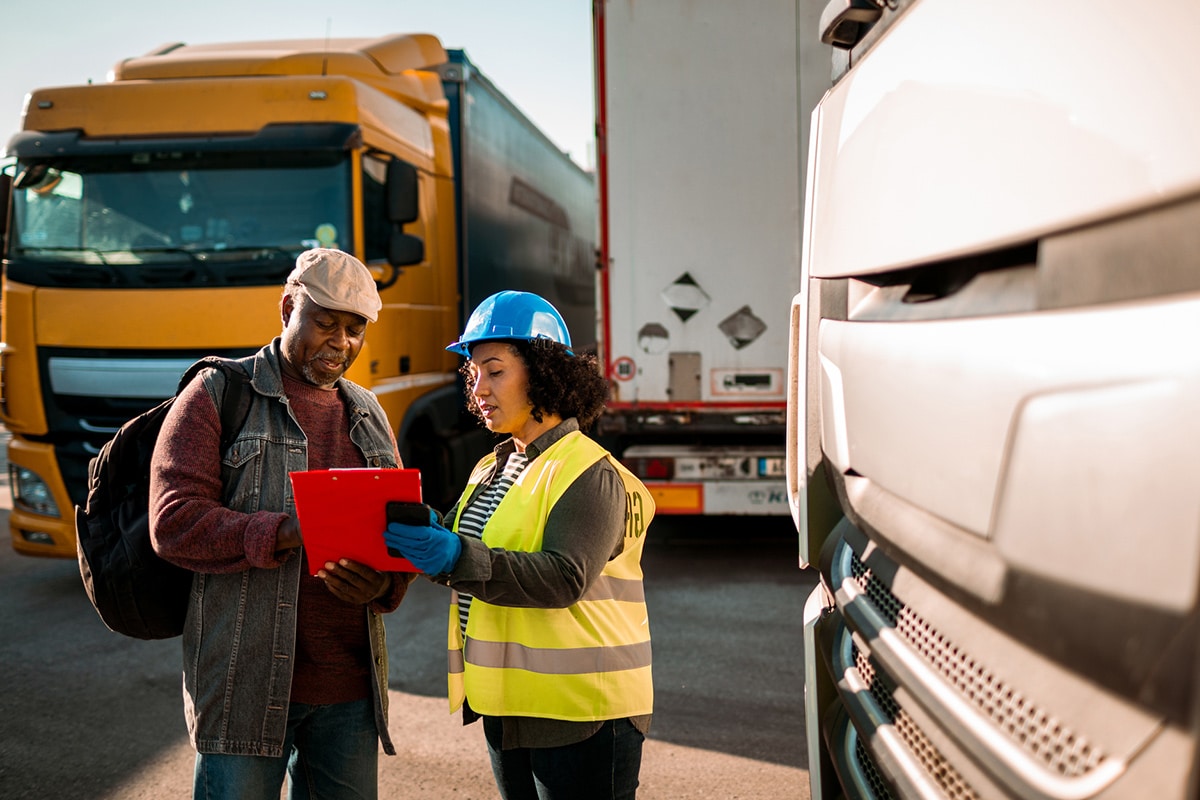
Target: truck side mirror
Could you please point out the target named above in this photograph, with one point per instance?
(404, 249)
(403, 206)
(402, 203)
(845, 22)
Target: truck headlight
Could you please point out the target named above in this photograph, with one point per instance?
(31, 491)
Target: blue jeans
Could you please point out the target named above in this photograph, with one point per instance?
(329, 752)
(602, 767)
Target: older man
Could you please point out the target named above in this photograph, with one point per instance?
(283, 672)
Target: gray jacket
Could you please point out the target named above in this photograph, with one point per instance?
(237, 668)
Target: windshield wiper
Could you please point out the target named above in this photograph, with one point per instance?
(82, 251)
(256, 252)
(162, 249)
(72, 270)
(259, 265)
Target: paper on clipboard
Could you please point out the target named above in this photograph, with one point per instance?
(343, 514)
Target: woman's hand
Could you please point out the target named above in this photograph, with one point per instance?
(430, 548)
(354, 582)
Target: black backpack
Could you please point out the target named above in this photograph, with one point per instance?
(135, 592)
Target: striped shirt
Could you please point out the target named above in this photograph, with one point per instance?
(476, 515)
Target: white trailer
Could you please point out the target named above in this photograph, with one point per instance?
(702, 115)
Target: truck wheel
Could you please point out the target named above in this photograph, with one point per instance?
(430, 455)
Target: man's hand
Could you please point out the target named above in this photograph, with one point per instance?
(354, 582)
(287, 536)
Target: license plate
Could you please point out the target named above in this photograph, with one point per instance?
(771, 467)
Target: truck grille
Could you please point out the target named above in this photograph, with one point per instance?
(952, 784)
(85, 400)
(879, 787)
(1028, 724)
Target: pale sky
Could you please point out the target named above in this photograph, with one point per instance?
(538, 52)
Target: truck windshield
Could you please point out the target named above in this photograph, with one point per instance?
(161, 219)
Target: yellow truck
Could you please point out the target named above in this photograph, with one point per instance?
(154, 218)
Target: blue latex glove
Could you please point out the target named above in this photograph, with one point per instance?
(431, 548)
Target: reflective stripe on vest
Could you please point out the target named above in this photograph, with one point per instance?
(590, 661)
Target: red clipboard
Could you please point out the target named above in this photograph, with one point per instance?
(343, 513)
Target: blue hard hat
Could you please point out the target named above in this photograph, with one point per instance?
(512, 315)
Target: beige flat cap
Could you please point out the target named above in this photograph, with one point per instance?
(337, 281)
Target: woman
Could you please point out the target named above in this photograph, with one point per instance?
(543, 551)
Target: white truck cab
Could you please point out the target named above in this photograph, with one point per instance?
(993, 433)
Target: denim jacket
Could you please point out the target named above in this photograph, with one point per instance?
(237, 668)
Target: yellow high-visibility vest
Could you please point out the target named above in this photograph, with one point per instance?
(590, 661)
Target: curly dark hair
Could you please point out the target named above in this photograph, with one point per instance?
(559, 383)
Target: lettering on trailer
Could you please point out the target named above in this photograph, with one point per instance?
(522, 195)
(771, 497)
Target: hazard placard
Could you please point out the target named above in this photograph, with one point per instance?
(623, 369)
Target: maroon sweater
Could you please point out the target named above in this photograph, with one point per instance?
(332, 662)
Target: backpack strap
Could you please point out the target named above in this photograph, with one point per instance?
(235, 398)
(235, 402)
